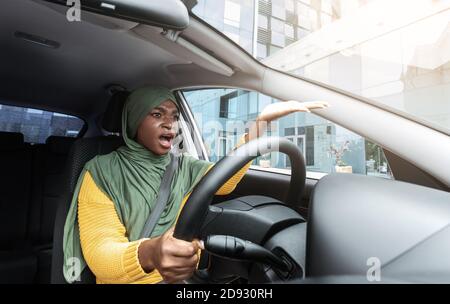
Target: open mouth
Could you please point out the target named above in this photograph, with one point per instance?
(166, 140)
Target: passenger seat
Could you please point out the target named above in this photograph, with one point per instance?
(48, 175)
(17, 263)
(31, 182)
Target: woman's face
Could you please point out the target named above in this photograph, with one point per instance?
(158, 129)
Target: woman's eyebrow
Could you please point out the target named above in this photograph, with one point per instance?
(165, 111)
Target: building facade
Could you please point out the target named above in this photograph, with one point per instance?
(263, 28)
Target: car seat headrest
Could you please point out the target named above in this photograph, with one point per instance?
(112, 118)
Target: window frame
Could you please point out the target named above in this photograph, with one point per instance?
(194, 131)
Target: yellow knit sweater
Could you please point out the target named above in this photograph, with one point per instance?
(107, 251)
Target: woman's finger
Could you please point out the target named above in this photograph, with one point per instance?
(172, 278)
(185, 249)
(177, 264)
(310, 104)
(316, 104)
(198, 244)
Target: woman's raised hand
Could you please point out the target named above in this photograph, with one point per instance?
(277, 110)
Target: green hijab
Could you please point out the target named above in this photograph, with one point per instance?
(130, 177)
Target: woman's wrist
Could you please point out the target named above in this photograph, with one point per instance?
(258, 128)
(146, 255)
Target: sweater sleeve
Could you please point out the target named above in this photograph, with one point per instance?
(107, 251)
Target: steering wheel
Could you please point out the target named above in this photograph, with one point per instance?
(192, 217)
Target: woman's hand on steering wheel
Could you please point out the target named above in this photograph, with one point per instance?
(176, 260)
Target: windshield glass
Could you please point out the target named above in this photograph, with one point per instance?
(396, 53)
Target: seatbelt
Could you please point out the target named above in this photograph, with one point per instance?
(163, 196)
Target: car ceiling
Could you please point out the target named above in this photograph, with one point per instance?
(94, 53)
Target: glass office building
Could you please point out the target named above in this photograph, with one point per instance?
(262, 28)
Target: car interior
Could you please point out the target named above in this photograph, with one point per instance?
(273, 227)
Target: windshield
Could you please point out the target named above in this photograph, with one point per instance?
(396, 53)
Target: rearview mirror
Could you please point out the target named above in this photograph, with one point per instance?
(168, 14)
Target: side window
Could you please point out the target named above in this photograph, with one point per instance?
(222, 115)
(38, 125)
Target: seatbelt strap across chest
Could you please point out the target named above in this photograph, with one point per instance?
(162, 198)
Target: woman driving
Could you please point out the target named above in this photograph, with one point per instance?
(116, 193)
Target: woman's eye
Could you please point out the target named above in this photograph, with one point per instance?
(157, 115)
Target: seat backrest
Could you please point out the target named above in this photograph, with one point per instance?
(48, 177)
(81, 152)
(15, 181)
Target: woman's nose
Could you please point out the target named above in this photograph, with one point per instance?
(169, 123)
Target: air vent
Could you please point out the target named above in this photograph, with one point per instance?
(37, 40)
(265, 7)
(263, 36)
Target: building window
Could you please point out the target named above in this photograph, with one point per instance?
(273, 49)
(228, 105)
(278, 39)
(304, 16)
(290, 5)
(302, 9)
(276, 25)
(297, 136)
(329, 130)
(301, 33)
(263, 22)
(289, 31)
(261, 50)
(279, 12)
(299, 140)
(223, 107)
(232, 14)
(222, 147)
(309, 155)
(289, 132)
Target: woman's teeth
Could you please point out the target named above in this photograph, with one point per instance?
(166, 141)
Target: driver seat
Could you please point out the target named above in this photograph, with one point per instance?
(83, 150)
